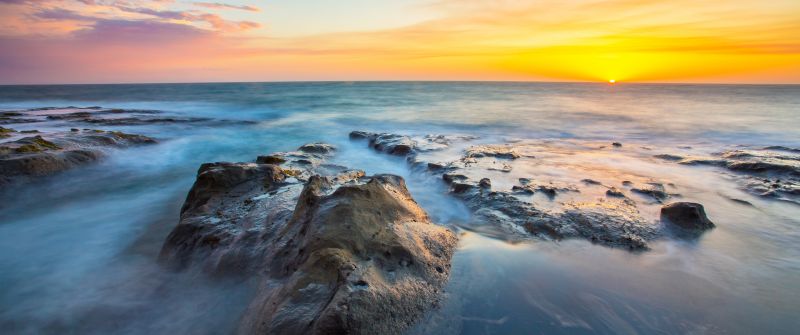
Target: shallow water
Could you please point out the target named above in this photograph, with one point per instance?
(77, 251)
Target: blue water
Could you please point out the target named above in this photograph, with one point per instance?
(77, 251)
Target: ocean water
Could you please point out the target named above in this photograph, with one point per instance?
(78, 251)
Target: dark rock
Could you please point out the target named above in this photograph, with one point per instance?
(317, 148)
(47, 154)
(616, 144)
(687, 215)
(591, 182)
(654, 190)
(615, 192)
(668, 157)
(485, 183)
(270, 160)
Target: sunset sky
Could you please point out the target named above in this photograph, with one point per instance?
(108, 41)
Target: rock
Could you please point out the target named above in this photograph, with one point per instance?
(755, 168)
(363, 259)
(270, 160)
(615, 192)
(47, 154)
(389, 143)
(610, 222)
(341, 253)
(591, 182)
(654, 190)
(318, 148)
(616, 144)
(668, 157)
(498, 151)
(687, 215)
(550, 189)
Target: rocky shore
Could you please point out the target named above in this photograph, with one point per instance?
(336, 251)
(43, 141)
(28, 155)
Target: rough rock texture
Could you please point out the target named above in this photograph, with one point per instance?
(101, 116)
(613, 222)
(772, 172)
(334, 251)
(687, 215)
(363, 259)
(49, 153)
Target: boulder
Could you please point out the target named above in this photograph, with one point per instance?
(686, 215)
(362, 259)
(338, 253)
(49, 153)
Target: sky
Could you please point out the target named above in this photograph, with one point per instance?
(127, 41)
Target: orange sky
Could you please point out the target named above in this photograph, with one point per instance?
(110, 41)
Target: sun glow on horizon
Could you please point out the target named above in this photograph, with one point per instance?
(76, 41)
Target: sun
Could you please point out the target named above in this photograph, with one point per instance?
(612, 81)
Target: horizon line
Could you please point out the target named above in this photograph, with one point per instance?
(617, 83)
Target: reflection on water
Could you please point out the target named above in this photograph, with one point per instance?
(77, 251)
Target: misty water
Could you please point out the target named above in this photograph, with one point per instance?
(78, 251)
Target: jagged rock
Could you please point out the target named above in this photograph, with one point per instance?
(687, 215)
(653, 190)
(270, 160)
(389, 143)
(772, 172)
(42, 155)
(318, 148)
(498, 151)
(612, 222)
(341, 253)
(550, 189)
(363, 259)
(615, 192)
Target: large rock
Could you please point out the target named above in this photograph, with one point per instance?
(687, 215)
(30, 157)
(362, 259)
(336, 252)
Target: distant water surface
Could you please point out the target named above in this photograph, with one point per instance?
(77, 251)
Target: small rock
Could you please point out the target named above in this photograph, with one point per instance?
(271, 159)
(485, 183)
(687, 215)
(317, 148)
(615, 192)
(616, 144)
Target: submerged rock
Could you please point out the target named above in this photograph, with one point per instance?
(49, 153)
(612, 222)
(686, 215)
(772, 172)
(340, 253)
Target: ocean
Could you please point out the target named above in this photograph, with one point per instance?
(78, 250)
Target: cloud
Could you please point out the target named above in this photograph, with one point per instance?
(62, 14)
(217, 5)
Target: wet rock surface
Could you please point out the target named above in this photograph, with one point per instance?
(100, 116)
(334, 251)
(772, 172)
(24, 157)
(687, 215)
(614, 221)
